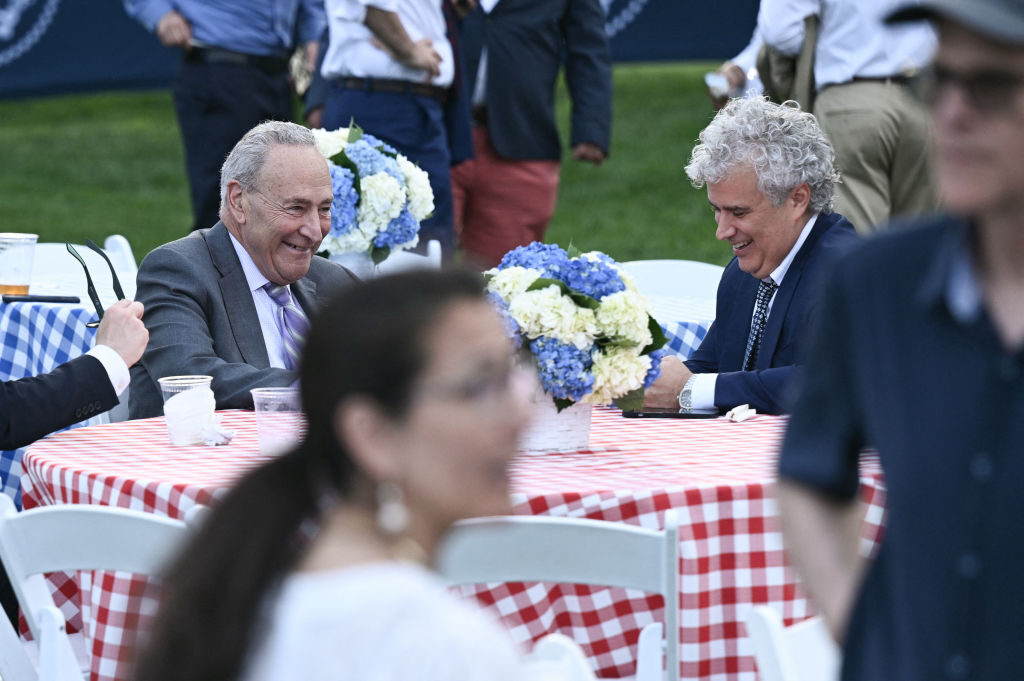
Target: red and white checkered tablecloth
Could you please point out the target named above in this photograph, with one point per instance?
(717, 474)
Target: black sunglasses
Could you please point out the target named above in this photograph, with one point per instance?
(93, 296)
(989, 91)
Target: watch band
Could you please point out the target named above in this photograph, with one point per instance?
(685, 395)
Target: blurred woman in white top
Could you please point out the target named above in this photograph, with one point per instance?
(316, 565)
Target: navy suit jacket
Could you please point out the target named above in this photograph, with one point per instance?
(526, 41)
(766, 387)
(31, 408)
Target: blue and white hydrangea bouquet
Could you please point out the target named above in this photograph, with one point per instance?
(584, 322)
(380, 196)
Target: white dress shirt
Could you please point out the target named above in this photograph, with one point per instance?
(351, 51)
(266, 308)
(853, 40)
(113, 364)
(702, 392)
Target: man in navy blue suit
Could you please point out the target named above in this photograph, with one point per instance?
(770, 177)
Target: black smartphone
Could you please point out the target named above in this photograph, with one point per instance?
(671, 413)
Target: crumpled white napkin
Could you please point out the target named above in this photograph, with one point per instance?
(740, 413)
(216, 434)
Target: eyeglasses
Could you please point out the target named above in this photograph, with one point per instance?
(90, 287)
(989, 91)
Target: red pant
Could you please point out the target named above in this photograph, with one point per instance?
(500, 204)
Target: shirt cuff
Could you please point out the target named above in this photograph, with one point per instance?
(702, 393)
(115, 367)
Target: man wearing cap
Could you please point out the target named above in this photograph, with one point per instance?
(920, 355)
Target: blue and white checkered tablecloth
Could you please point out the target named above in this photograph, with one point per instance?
(35, 338)
(684, 320)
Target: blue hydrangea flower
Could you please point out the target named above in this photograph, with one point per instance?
(343, 208)
(379, 143)
(399, 231)
(655, 369)
(563, 368)
(369, 160)
(511, 327)
(595, 278)
(550, 259)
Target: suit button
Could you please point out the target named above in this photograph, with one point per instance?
(958, 666)
(981, 467)
(78, 413)
(968, 566)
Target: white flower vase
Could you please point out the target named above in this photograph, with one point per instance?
(360, 264)
(551, 430)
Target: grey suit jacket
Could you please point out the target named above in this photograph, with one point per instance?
(202, 320)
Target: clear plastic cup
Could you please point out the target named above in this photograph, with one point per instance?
(17, 251)
(280, 422)
(189, 407)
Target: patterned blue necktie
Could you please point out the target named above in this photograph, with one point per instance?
(765, 291)
(294, 323)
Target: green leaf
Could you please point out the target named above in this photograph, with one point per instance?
(657, 335)
(580, 299)
(379, 254)
(631, 401)
(572, 251)
(562, 403)
(355, 133)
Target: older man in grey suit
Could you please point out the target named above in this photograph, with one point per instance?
(233, 301)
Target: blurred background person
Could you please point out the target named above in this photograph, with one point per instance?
(861, 72)
(390, 67)
(737, 77)
(317, 565)
(234, 74)
(505, 195)
(920, 355)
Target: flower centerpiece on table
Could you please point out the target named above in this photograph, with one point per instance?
(584, 322)
(380, 196)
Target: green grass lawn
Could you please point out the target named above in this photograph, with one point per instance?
(87, 166)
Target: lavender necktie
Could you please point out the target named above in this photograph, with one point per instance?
(765, 290)
(294, 323)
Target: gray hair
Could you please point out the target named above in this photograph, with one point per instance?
(783, 144)
(246, 160)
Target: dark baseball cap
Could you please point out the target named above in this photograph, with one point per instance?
(1001, 20)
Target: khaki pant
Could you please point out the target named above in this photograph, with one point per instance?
(881, 137)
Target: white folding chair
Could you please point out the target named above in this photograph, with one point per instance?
(675, 277)
(400, 261)
(804, 651)
(74, 537)
(577, 551)
(120, 253)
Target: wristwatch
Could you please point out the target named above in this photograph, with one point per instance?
(685, 400)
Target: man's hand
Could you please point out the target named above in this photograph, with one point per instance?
(664, 392)
(423, 56)
(315, 117)
(736, 79)
(589, 152)
(123, 331)
(311, 52)
(173, 30)
(389, 35)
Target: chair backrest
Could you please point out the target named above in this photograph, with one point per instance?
(804, 651)
(70, 538)
(120, 253)
(572, 551)
(400, 261)
(675, 277)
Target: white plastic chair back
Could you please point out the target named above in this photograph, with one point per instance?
(71, 538)
(576, 551)
(804, 651)
(120, 253)
(687, 278)
(400, 261)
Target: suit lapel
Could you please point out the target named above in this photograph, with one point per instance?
(238, 304)
(304, 291)
(784, 296)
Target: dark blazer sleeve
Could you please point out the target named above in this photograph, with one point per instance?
(31, 408)
(588, 73)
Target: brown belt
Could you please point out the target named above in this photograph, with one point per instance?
(216, 55)
(403, 87)
(895, 80)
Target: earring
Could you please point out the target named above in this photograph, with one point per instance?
(392, 515)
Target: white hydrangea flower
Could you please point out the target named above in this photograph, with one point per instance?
(381, 199)
(355, 241)
(511, 281)
(616, 373)
(330, 142)
(417, 182)
(546, 312)
(622, 316)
